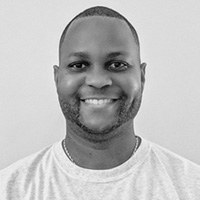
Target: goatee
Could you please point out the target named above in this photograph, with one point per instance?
(126, 112)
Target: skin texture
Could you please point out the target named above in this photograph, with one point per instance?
(99, 60)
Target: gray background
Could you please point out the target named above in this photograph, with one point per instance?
(30, 116)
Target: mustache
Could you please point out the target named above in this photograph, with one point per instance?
(121, 95)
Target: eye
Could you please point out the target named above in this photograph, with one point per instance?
(77, 66)
(117, 66)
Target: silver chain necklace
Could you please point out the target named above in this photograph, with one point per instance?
(69, 156)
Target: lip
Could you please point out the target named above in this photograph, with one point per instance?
(104, 101)
(99, 101)
(91, 103)
(98, 98)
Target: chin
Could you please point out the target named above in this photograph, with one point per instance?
(96, 134)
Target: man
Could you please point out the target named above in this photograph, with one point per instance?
(100, 81)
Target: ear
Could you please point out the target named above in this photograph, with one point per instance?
(56, 69)
(143, 68)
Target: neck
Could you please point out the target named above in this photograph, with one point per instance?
(105, 154)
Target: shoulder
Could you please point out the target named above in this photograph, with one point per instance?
(182, 172)
(15, 177)
(173, 160)
(28, 163)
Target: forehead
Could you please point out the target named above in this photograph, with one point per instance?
(98, 34)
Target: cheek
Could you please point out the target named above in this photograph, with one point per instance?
(131, 85)
(69, 85)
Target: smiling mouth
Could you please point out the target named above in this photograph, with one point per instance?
(99, 101)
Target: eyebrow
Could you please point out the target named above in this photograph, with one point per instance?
(85, 55)
(79, 54)
(117, 53)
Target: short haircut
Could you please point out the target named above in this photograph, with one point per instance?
(99, 11)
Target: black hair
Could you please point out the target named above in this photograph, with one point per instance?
(99, 11)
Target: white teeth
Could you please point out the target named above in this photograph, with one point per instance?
(98, 101)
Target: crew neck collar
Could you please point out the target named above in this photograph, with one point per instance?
(105, 175)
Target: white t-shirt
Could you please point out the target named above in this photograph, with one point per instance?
(153, 173)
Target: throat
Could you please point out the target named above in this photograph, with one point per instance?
(104, 155)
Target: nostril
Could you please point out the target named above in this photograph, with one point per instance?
(98, 82)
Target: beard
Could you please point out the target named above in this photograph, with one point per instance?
(126, 111)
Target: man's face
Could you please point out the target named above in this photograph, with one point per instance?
(100, 79)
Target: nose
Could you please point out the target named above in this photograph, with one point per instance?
(98, 78)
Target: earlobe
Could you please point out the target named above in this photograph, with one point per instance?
(56, 68)
(143, 68)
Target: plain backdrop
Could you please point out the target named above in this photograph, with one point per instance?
(30, 116)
